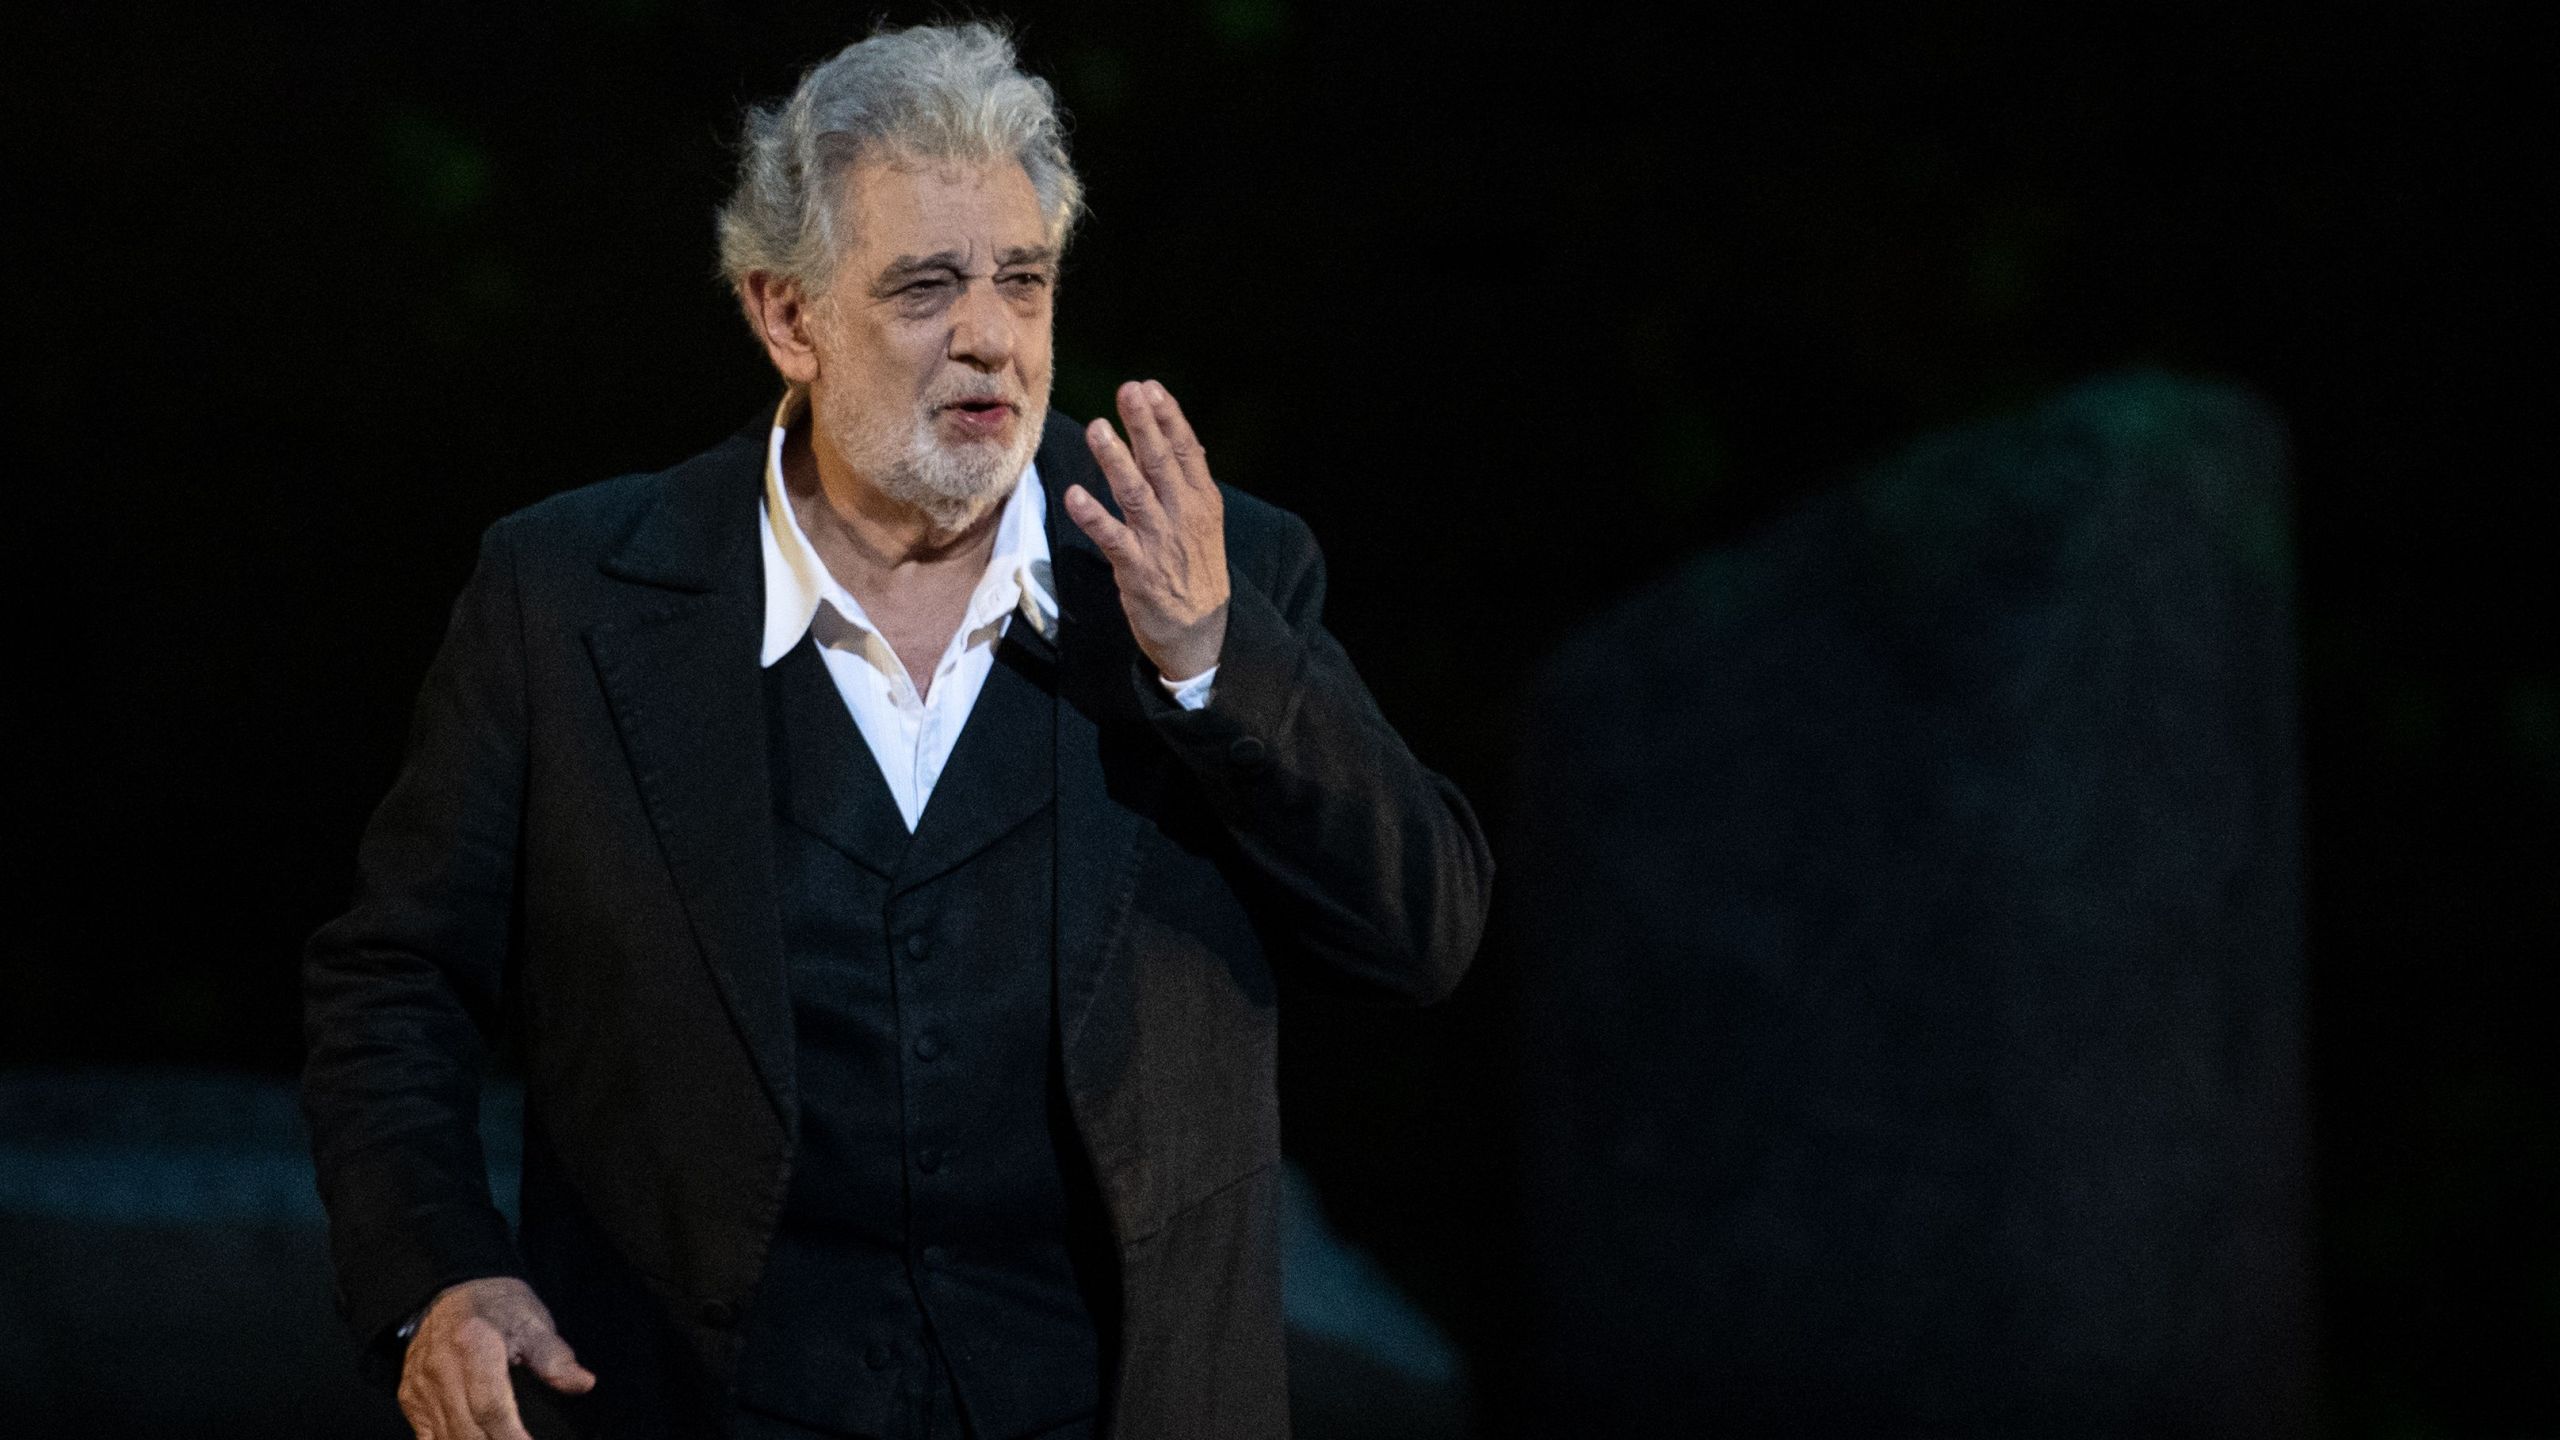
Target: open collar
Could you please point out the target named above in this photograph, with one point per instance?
(796, 583)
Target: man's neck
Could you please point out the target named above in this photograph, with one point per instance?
(869, 541)
(912, 578)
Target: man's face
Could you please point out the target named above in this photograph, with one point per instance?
(932, 339)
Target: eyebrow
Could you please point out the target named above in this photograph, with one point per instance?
(907, 267)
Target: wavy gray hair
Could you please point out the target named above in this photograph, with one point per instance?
(931, 92)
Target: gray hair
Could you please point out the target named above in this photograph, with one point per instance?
(932, 92)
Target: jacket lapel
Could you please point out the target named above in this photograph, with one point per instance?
(1000, 772)
(825, 779)
(687, 696)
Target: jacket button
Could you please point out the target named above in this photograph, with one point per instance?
(928, 1045)
(917, 944)
(719, 1314)
(936, 1255)
(877, 1355)
(928, 1160)
(1247, 752)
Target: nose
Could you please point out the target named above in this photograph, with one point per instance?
(981, 328)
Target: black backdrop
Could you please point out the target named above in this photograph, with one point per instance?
(1516, 307)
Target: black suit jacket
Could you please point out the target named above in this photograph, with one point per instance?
(579, 842)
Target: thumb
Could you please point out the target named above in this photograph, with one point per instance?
(547, 1355)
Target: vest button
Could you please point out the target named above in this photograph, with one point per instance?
(878, 1356)
(928, 1160)
(936, 1255)
(917, 944)
(1247, 752)
(719, 1314)
(928, 1045)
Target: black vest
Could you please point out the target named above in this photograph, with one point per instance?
(939, 1199)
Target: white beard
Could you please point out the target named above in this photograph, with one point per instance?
(953, 485)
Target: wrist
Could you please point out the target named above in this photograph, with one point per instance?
(1196, 653)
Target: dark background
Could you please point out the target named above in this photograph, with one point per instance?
(1517, 308)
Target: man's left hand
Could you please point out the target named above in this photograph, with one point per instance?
(1168, 549)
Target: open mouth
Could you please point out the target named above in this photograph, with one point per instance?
(978, 418)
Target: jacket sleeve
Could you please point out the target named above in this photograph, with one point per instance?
(1376, 865)
(399, 992)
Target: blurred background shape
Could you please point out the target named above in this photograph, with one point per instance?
(166, 1269)
(167, 1274)
(1912, 954)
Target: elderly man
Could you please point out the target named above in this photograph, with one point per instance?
(881, 834)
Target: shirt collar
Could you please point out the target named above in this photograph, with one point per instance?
(796, 582)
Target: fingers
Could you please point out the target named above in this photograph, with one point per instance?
(1129, 483)
(491, 1398)
(487, 1399)
(437, 1400)
(1169, 459)
(433, 1389)
(1114, 539)
(1156, 460)
(549, 1356)
(415, 1408)
(1188, 452)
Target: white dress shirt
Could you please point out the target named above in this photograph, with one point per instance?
(911, 735)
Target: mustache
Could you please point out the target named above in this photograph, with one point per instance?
(984, 388)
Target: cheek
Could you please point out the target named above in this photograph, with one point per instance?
(886, 362)
(1031, 351)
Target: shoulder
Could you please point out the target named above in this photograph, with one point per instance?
(1270, 544)
(1254, 521)
(592, 518)
(582, 528)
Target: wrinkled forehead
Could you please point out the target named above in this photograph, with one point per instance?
(893, 203)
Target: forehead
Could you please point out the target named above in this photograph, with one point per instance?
(902, 207)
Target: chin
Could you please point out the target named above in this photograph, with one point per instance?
(952, 479)
(956, 484)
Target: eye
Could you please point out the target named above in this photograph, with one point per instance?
(1024, 280)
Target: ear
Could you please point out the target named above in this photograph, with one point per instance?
(779, 314)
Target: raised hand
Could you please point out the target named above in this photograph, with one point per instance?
(453, 1382)
(1168, 549)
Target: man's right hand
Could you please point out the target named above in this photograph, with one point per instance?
(454, 1385)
